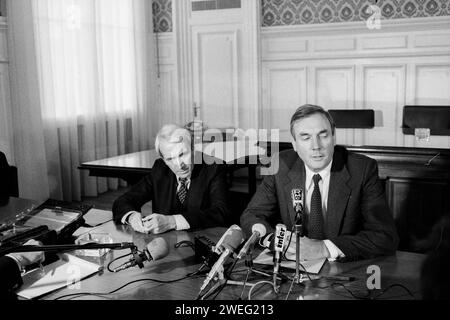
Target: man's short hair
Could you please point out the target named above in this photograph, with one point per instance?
(307, 110)
(171, 133)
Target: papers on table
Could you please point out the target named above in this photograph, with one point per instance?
(67, 271)
(311, 266)
(52, 218)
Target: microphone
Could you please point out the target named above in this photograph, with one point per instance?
(230, 240)
(223, 242)
(155, 250)
(297, 203)
(259, 230)
(280, 238)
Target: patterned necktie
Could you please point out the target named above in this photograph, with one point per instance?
(182, 190)
(315, 216)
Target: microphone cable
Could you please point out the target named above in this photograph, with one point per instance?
(115, 259)
(370, 293)
(184, 243)
(249, 296)
(189, 275)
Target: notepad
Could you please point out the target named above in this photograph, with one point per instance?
(65, 272)
(310, 266)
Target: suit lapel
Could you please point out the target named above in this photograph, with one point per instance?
(338, 194)
(295, 180)
(165, 192)
(195, 189)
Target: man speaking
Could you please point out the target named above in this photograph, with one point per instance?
(345, 213)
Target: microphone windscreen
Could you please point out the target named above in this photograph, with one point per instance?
(260, 228)
(233, 238)
(158, 248)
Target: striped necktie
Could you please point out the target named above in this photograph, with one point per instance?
(315, 230)
(182, 190)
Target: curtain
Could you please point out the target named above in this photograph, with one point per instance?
(96, 79)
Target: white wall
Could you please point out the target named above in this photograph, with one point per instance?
(347, 66)
(339, 65)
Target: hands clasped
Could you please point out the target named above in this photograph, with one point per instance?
(154, 223)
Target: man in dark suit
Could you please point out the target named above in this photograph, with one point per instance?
(11, 266)
(4, 172)
(184, 194)
(345, 213)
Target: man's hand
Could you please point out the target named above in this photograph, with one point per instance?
(135, 221)
(159, 223)
(310, 249)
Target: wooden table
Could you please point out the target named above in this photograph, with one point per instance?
(134, 166)
(402, 268)
(130, 167)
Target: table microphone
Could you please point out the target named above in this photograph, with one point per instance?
(298, 204)
(231, 239)
(280, 238)
(155, 250)
(258, 231)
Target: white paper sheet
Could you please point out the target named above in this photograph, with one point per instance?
(311, 266)
(64, 272)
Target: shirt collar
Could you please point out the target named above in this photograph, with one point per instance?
(324, 174)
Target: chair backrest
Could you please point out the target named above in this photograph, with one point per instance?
(353, 118)
(8, 178)
(435, 118)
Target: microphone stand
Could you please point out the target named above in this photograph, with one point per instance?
(71, 247)
(222, 279)
(298, 233)
(249, 265)
(298, 229)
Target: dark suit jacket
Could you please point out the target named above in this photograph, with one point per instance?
(9, 277)
(206, 202)
(4, 173)
(358, 220)
(8, 180)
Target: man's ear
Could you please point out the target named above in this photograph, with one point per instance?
(293, 144)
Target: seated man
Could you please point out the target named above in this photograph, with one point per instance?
(345, 212)
(184, 195)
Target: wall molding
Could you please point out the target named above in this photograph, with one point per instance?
(413, 24)
(426, 37)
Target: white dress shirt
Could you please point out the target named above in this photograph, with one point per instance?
(324, 186)
(180, 221)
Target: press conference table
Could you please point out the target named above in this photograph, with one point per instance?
(402, 268)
